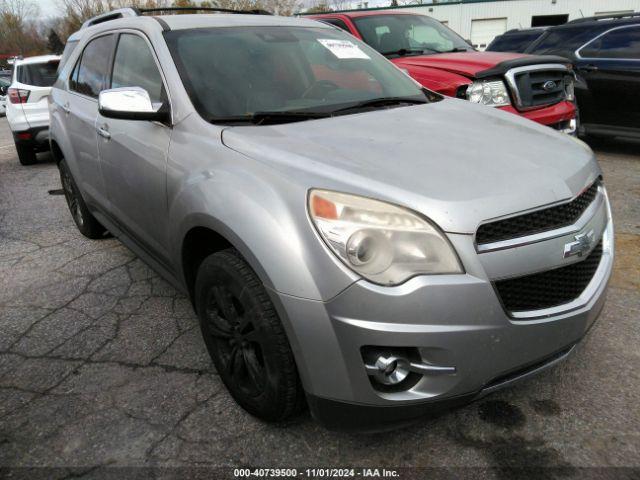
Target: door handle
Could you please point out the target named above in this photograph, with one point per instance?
(589, 68)
(66, 108)
(103, 132)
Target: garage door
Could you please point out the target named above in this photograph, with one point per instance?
(485, 30)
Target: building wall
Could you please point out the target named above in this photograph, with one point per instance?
(518, 13)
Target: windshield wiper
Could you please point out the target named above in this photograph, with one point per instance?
(263, 118)
(408, 51)
(270, 118)
(456, 50)
(381, 102)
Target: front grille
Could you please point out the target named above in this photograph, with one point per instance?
(539, 88)
(538, 221)
(551, 288)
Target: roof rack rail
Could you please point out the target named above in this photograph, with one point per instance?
(256, 11)
(136, 12)
(111, 15)
(613, 16)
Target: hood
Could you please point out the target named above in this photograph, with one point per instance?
(456, 163)
(462, 63)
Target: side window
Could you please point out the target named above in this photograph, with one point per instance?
(90, 74)
(338, 23)
(134, 66)
(620, 43)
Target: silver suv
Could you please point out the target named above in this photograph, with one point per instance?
(347, 238)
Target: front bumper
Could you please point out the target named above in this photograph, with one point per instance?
(452, 320)
(557, 116)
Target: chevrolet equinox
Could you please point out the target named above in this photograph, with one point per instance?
(349, 240)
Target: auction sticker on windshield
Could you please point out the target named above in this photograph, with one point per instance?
(343, 48)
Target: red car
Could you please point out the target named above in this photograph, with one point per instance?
(539, 88)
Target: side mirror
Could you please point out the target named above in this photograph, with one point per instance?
(131, 103)
(3, 90)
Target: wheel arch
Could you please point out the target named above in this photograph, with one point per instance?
(205, 236)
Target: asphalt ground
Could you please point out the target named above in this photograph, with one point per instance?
(102, 366)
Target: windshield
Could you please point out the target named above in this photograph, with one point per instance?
(235, 72)
(403, 34)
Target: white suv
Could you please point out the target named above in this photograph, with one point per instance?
(4, 86)
(27, 105)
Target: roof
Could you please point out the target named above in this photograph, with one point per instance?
(182, 22)
(38, 59)
(597, 22)
(526, 30)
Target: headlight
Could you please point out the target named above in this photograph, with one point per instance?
(569, 88)
(382, 242)
(492, 93)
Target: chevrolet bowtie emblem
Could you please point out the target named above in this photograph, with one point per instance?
(581, 246)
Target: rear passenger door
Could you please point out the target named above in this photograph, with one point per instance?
(87, 79)
(610, 65)
(134, 153)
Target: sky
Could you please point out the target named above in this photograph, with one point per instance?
(48, 7)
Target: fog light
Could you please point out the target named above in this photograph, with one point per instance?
(398, 369)
(391, 370)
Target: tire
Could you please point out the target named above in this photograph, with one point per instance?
(246, 339)
(26, 154)
(84, 220)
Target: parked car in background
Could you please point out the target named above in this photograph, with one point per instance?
(605, 52)
(537, 88)
(348, 239)
(27, 105)
(4, 87)
(516, 40)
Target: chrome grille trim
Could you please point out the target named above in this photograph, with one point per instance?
(513, 85)
(549, 234)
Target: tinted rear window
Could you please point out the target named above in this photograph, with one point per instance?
(619, 43)
(513, 42)
(38, 74)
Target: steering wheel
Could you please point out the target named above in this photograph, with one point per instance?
(322, 85)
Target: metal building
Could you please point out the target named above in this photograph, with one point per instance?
(481, 20)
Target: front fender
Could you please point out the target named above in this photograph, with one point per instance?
(260, 211)
(437, 80)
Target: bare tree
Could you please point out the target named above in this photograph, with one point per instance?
(319, 6)
(76, 12)
(18, 31)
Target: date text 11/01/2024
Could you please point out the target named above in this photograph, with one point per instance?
(315, 472)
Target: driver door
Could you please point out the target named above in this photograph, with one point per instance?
(133, 153)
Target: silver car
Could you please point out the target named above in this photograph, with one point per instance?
(348, 240)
